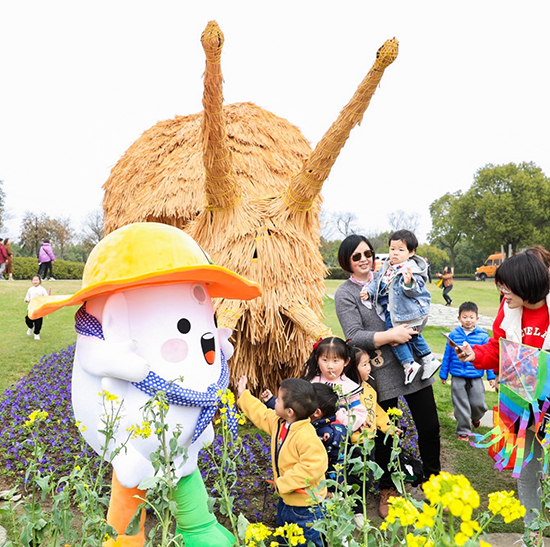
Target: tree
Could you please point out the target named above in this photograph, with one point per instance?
(437, 257)
(34, 228)
(399, 220)
(338, 225)
(93, 230)
(329, 252)
(446, 229)
(61, 235)
(506, 205)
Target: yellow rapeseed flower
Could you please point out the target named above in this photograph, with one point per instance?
(402, 509)
(36, 416)
(256, 532)
(394, 412)
(505, 504)
(426, 518)
(414, 541)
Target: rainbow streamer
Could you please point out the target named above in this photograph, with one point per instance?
(524, 391)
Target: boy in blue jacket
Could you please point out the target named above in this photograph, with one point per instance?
(467, 389)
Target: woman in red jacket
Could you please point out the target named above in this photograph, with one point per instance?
(524, 317)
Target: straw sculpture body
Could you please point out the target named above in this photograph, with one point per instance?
(245, 185)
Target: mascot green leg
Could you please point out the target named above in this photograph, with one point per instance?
(195, 524)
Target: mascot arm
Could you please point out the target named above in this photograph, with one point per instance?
(306, 319)
(112, 359)
(116, 356)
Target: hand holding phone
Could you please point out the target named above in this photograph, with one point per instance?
(452, 343)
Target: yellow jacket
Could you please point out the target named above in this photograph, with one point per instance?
(376, 415)
(300, 462)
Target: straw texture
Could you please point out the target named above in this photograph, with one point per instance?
(242, 183)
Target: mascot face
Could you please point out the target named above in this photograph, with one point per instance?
(176, 333)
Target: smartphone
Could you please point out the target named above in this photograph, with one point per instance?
(453, 344)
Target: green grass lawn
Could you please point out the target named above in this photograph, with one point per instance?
(21, 352)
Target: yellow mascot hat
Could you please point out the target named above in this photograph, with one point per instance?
(144, 254)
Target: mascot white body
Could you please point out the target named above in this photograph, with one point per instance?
(148, 322)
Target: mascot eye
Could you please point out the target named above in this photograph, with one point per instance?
(184, 326)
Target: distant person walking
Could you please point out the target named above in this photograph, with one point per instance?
(3, 258)
(447, 277)
(429, 272)
(35, 325)
(9, 261)
(45, 260)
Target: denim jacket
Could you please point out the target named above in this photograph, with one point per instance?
(405, 304)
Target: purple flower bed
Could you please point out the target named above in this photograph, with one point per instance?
(46, 387)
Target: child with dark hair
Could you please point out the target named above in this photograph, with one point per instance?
(35, 325)
(467, 389)
(326, 365)
(400, 293)
(298, 456)
(524, 317)
(329, 430)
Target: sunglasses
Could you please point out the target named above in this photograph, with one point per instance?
(357, 256)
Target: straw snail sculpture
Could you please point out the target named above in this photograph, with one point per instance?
(246, 186)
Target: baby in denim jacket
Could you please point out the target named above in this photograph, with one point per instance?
(400, 292)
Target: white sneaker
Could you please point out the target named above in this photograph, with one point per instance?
(431, 366)
(37, 336)
(359, 520)
(51, 279)
(29, 332)
(410, 371)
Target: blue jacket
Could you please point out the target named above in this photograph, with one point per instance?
(451, 364)
(405, 304)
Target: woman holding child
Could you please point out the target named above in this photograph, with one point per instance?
(361, 322)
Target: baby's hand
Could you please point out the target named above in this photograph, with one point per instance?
(364, 294)
(407, 276)
(398, 431)
(443, 381)
(241, 385)
(493, 383)
(266, 395)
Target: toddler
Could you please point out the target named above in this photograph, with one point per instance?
(35, 325)
(467, 389)
(400, 292)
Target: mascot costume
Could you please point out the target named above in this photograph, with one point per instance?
(147, 323)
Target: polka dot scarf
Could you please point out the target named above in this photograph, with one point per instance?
(208, 400)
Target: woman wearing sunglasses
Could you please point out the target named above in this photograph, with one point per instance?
(361, 323)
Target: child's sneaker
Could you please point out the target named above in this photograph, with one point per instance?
(359, 521)
(431, 366)
(410, 371)
(29, 332)
(464, 437)
(476, 423)
(37, 336)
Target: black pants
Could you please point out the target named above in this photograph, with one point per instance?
(44, 267)
(35, 324)
(446, 292)
(424, 413)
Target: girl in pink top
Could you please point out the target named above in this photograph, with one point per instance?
(326, 365)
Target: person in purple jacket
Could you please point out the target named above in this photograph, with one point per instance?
(467, 389)
(45, 260)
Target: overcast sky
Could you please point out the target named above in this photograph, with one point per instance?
(80, 81)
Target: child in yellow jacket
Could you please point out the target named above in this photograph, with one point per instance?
(298, 456)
